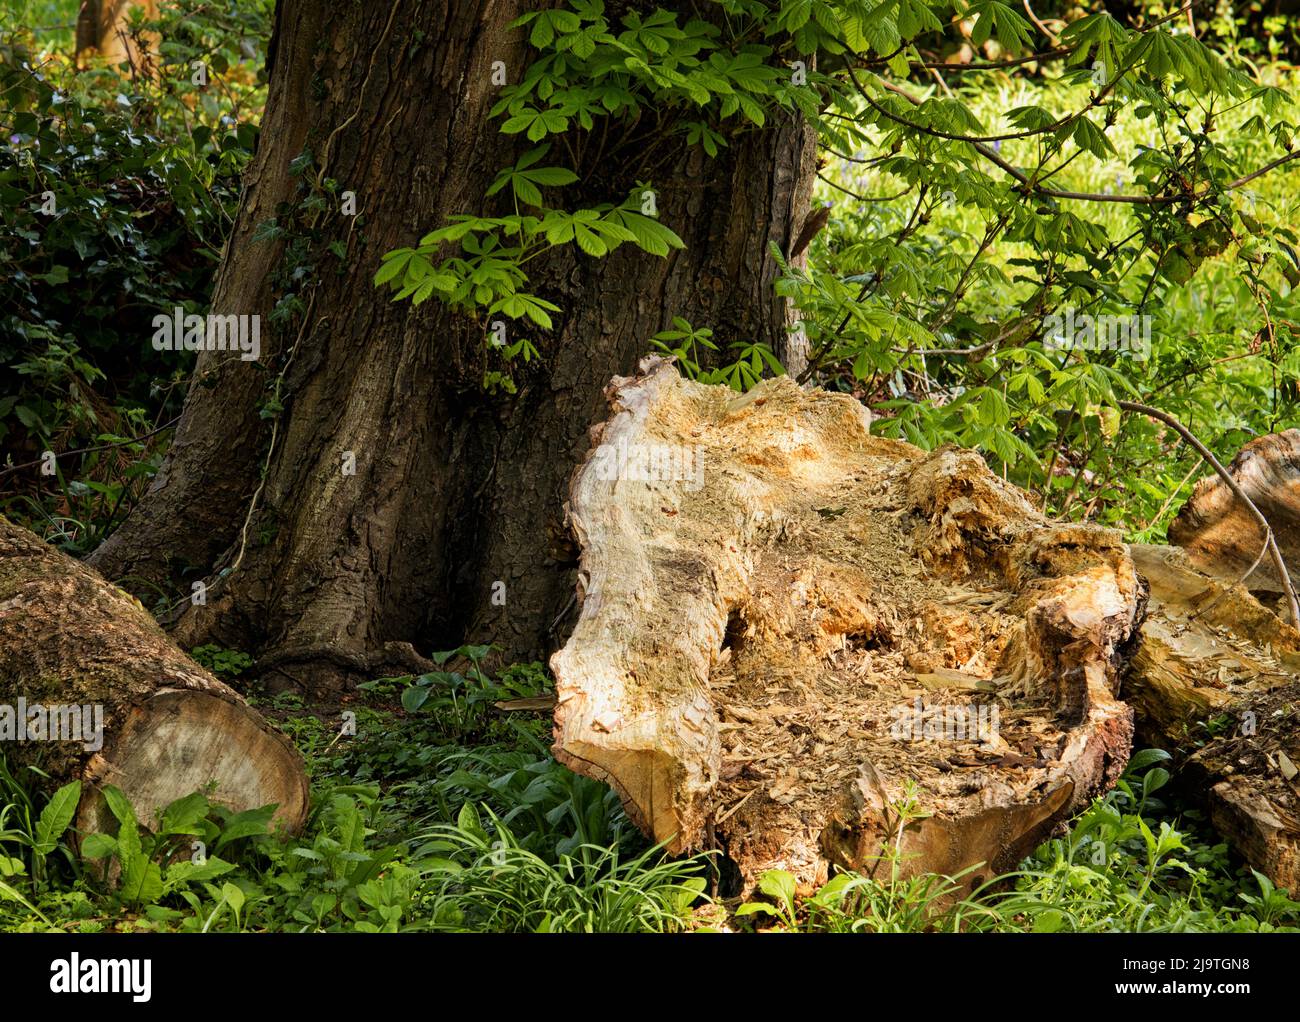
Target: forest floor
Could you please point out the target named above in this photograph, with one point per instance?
(453, 815)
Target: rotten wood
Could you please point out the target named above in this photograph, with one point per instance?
(1215, 679)
(1222, 536)
(790, 628)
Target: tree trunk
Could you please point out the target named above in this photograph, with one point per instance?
(791, 630)
(456, 496)
(83, 661)
(102, 27)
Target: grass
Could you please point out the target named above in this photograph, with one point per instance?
(410, 832)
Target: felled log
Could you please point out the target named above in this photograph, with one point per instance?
(82, 661)
(794, 634)
(1219, 673)
(1223, 539)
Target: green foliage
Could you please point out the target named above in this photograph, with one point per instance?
(228, 663)
(1121, 868)
(684, 343)
(488, 276)
(1116, 180)
(35, 836)
(931, 302)
(173, 877)
(153, 865)
(386, 748)
(502, 838)
(117, 188)
(461, 702)
(854, 903)
(484, 880)
(593, 79)
(894, 902)
(337, 878)
(555, 812)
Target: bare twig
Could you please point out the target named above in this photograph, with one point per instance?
(863, 198)
(1052, 36)
(988, 65)
(1173, 495)
(97, 447)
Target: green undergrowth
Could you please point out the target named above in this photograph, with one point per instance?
(118, 189)
(1131, 862)
(432, 810)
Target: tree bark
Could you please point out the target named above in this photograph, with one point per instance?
(456, 495)
(808, 646)
(166, 727)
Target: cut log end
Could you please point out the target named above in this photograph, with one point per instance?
(178, 741)
(167, 727)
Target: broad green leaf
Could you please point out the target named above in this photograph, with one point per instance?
(56, 817)
(141, 881)
(119, 805)
(98, 846)
(249, 823)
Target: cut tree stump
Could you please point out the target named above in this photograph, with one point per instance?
(791, 629)
(1219, 533)
(70, 639)
(1219, 673)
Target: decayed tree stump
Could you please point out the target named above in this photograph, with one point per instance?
(791, 628)
(1218, 673)
(1219, 533)
(69, 639)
